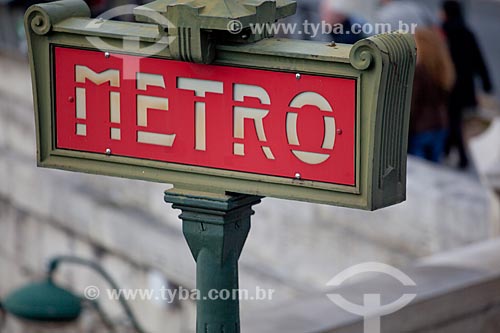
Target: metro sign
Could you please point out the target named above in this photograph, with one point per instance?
(263, 122)
(289, 119)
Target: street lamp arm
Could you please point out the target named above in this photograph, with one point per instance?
(56, 261)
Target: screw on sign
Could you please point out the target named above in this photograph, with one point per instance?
(227, 118)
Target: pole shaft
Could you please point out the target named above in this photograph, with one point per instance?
(216, 228)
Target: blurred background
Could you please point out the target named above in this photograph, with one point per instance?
(445, 236)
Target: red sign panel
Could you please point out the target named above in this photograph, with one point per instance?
(254, 121)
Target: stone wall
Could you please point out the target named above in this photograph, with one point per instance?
(293, 248)
(455, 293)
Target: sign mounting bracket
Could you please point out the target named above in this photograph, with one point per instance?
(199, 25)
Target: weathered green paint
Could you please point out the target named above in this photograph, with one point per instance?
(215, 227)
(200, 25)
(383, 66)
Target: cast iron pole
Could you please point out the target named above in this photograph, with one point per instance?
(215, 227)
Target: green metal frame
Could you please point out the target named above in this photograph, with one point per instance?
(383, 66)
(216, 228)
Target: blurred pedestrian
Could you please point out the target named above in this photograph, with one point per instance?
(469, 64)
(398, 12)
(434, 79)
(341, 15)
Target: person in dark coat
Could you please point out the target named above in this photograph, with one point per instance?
(434, 78)
(469, 63)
